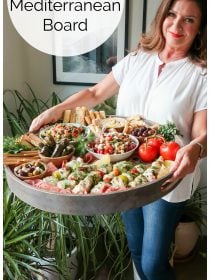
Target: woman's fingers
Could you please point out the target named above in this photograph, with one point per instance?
(185, 162)
(49, 116)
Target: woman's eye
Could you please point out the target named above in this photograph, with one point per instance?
(171, 14)
(189, 20)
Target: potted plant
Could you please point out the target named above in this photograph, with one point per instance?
(191, 226)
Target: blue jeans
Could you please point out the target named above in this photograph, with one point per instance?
(150, 231)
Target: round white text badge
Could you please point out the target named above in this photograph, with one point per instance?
(65, 28)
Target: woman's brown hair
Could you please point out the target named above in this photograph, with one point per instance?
(154, 40)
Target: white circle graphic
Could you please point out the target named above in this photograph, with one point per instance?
(63, 27)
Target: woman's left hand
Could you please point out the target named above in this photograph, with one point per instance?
(186, 160)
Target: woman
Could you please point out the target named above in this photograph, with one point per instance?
(164, 80)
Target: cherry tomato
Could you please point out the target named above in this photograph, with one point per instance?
(147, 153)
(155, 141)
(75, 133)
(168, 150)
(108, 150)
(109, 138)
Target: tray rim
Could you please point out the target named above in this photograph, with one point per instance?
(87, 205)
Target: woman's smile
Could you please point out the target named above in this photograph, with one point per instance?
(176, 35)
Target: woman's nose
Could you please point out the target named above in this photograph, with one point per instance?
(178, 24)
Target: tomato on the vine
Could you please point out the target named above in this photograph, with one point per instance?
(147, 153)
(155, 141)
(168, 150)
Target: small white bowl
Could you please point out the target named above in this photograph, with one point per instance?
(117, 157)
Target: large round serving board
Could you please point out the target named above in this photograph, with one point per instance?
(89, 204)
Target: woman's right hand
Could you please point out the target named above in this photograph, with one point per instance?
(49, 116)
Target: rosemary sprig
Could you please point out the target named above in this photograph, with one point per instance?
(168, 131)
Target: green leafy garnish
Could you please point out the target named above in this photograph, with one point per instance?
(11, 145)
(81, 143)
(168, 131)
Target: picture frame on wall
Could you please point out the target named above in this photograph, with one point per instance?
(92, 67)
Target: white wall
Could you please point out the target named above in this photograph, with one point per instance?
(152, 7)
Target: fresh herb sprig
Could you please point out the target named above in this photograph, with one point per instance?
(81, 143)
(168, 131)
(11, 145)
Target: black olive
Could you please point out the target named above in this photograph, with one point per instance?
(142, 129)
(23, 173)
(31, 169)
(144, 134)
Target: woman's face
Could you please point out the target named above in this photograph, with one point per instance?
(182, 24)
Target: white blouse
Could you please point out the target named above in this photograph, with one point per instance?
(175, 95)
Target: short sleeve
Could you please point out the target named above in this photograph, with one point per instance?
(201, 101)
(122, 67)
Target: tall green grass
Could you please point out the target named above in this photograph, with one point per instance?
(26, 109)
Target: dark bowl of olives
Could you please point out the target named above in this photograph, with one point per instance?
(35, 169)
(143, 132)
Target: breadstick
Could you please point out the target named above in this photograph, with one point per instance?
(97, 115)
(92, 116)
(73, 116)
(67, 114)
(88, 120)
(125, 130)
(102, 114)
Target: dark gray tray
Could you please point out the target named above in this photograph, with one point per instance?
(89, 204)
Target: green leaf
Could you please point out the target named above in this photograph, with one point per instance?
(12, 262)
(20, 238)
(55, 99)
(168, 131)
(26, 109)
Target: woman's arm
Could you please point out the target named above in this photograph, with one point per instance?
(88, 97)
(187, 157)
